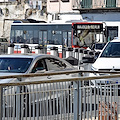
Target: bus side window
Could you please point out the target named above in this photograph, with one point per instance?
(64, 39)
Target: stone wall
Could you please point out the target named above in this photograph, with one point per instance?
(11, 11)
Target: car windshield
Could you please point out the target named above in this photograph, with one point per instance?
(111, 50)
(99, 46)
(14, 65)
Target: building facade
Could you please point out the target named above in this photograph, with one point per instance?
(96, 4)
(11, 10)
(98, 10)
(62, 10)
(105, 11)
(94, 10)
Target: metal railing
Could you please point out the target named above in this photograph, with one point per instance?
(61, 99)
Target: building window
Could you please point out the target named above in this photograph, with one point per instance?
(86, 4)
(110, 3)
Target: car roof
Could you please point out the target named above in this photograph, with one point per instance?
(116, 40)
(28, 55)
(31, 55)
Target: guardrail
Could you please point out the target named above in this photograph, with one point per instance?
(68, 99)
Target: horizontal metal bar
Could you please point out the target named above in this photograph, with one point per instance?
(55, 73)
(62, 80)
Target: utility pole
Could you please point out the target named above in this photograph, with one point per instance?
(59, 5)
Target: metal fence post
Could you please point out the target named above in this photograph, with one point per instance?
(80, 101)
(77, 99)
(1, 100)
(18, 103)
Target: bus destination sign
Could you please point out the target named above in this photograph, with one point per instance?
(97, 27)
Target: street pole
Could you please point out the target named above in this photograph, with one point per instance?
(59, 5)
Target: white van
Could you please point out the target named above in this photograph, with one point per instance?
(109, 58)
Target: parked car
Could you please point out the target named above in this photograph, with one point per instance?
(108, 60)
(20, 64)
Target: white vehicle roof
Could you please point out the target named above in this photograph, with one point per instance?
(115, 40)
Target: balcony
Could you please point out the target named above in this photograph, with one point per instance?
(96, 5)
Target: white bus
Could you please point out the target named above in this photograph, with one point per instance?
(60, 35)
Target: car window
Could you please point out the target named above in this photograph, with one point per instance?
(54, 64)
(39, 65)
(112, 50)
(15, 65)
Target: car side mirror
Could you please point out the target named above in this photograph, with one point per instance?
(97, 54)
(40, 71)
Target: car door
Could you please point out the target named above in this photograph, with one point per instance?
(39, 66)
(56, 65)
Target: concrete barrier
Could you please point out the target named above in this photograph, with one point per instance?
(91, 53)
(38, 49)
(24, 49)
(69, 52)
(87, 62)
(85, 52)
(54, 51)
(76, 53)
(11, 49)
(81, 53)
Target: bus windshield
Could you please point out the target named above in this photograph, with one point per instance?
(85, 34)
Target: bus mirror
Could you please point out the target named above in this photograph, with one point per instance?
(75, 33)
(105, 32)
